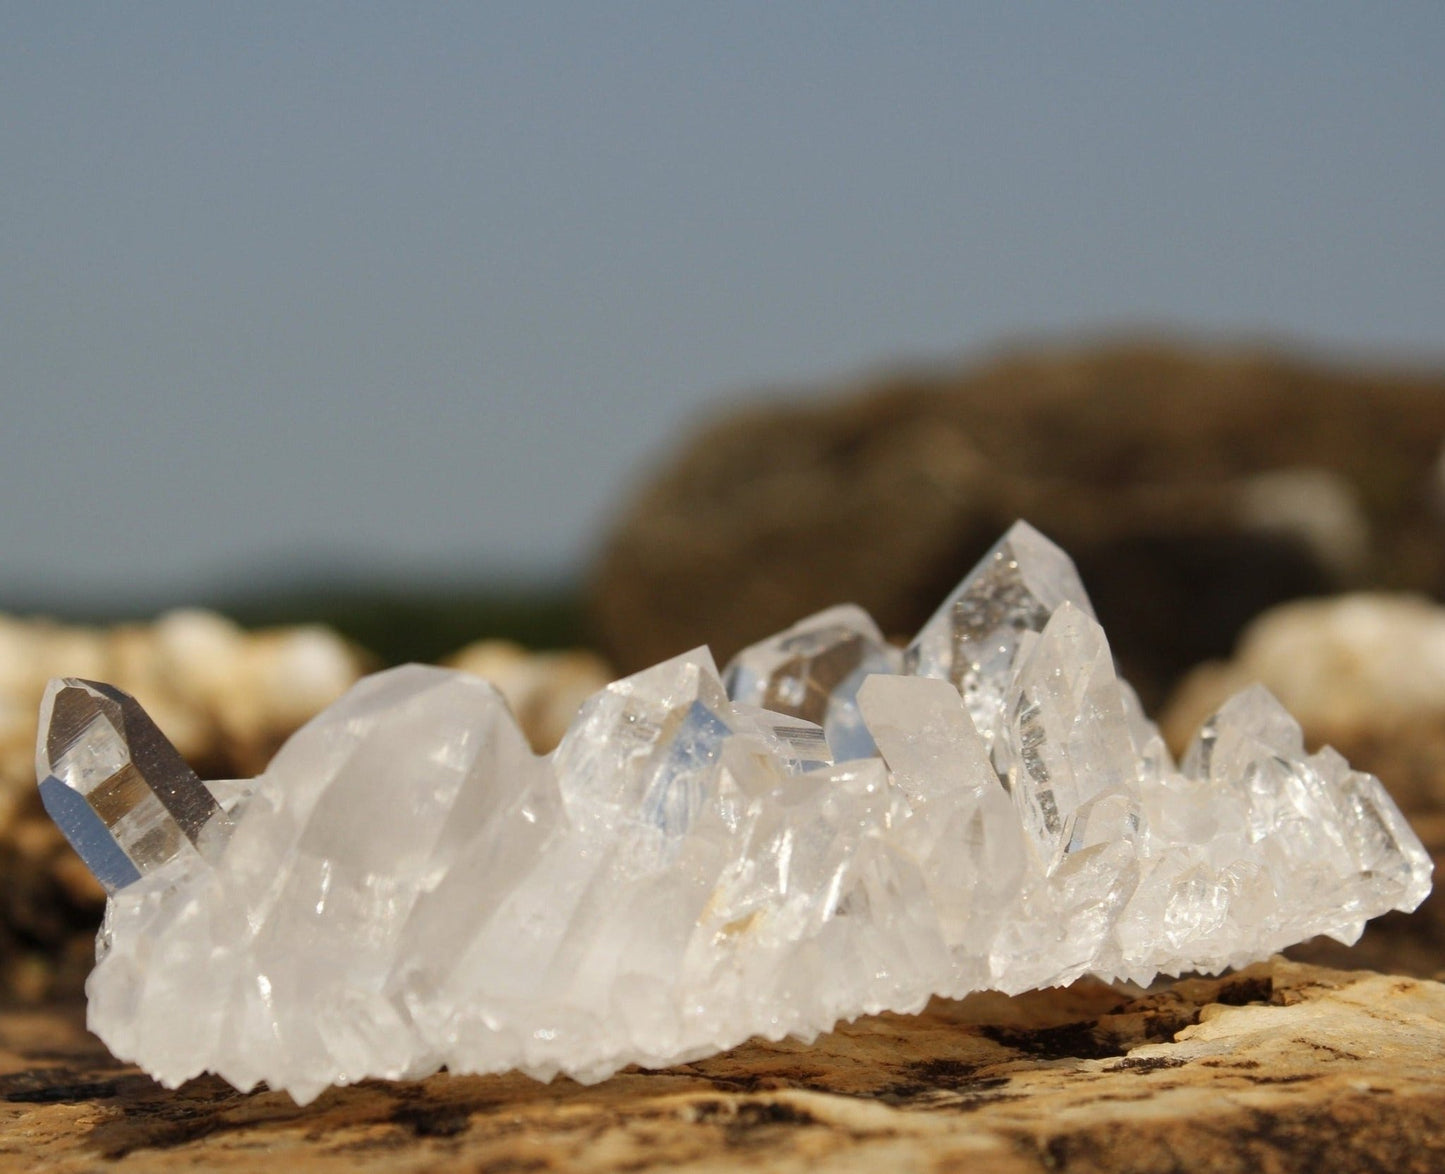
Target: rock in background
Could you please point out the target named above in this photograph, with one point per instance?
(544, 689)
(1194, 488)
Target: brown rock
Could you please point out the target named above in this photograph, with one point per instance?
(1193, 487)
(1281, 1068)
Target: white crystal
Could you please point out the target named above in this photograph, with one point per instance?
(409, 887)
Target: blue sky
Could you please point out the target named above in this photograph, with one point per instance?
(425, 288)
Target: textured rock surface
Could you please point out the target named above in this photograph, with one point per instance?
(1283, 1068)
(1184, 482)
(227, 698)
(1364, 673)
(1352, 669)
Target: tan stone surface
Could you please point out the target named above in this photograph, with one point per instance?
(1279, 1068)
(1360, 666)
(226, 697)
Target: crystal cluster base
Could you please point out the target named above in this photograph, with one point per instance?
(829, 828)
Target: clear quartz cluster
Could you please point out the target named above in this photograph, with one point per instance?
(828, 828)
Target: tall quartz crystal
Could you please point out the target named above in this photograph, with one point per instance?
(1071, 766)
(408, 887)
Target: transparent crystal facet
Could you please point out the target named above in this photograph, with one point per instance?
(115, 785)
(1071, 767)
(648, 746)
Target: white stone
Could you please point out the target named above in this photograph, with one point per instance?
(408, 886)
(1336, 663)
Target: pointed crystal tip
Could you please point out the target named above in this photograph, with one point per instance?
(115, 785)
(974, 638)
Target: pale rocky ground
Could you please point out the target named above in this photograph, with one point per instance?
(227, 698)
(1358, 670)
(1278, 1068)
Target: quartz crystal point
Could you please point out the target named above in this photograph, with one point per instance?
(1071, 766)
(409, 887)
(116, 787)
(974, 636)
(813, 671)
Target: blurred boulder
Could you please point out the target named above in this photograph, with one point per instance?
(1194, 487)
(1364, 673)
(544, 689)
(1352, 669)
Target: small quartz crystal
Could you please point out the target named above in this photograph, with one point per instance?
(813, 671)
(116, 786)
(827, 829)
